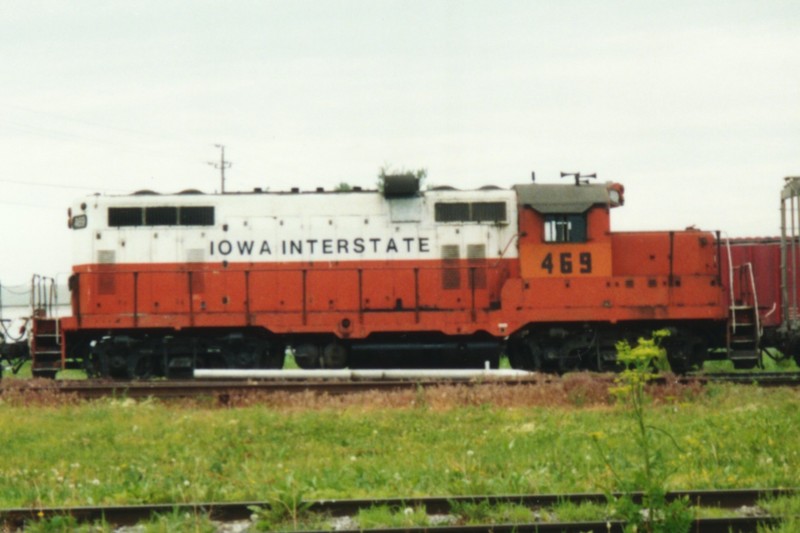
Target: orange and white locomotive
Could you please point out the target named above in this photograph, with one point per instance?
(164, 284)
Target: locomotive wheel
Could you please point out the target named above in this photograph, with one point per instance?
(275, 356)
(525, 354)
(606, 362)
(142, 367)
(334, 355)
(307, 356)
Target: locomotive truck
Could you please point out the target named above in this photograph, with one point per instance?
(163, 284)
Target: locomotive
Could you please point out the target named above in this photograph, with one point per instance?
(163, 284)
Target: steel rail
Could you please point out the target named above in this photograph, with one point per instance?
(186, 389)
(177, 389)
(762, 379)
(132, 514)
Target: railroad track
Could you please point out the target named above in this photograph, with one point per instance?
(730, 500)
(90, 389)
(763, 379)
(175, 389)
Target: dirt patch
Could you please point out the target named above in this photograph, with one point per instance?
(579, 390)
(34, 392)
(582, 390)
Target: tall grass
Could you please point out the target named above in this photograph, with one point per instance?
(122, 451)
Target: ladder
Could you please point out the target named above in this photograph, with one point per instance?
(744, 324)
(45, 334)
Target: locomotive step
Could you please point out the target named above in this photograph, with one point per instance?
(740, 355)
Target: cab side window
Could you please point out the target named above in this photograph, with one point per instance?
(565, 228)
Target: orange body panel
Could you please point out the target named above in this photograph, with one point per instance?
(648, 253)
(291, 297)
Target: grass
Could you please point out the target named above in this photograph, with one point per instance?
(383, 517)
(778, 364)
(174, 522)
(483, 512)
(122, 451)
(787, 507)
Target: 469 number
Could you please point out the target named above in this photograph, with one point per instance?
(566, 263)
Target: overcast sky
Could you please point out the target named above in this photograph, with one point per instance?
(693, 106)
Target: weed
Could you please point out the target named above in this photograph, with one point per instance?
(787, 507)
(286, 504)
(483, 512)
(68, 524)
(789, 525)
(180, 522)
(580, 512)
(420, 397)
(383, 516)
(472, 512)
(649, 471)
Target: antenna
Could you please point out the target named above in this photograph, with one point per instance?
(578, 177)
(222, 165)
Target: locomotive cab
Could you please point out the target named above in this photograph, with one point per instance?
(565, 231)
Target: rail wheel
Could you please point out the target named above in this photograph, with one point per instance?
(275, 356)
(525, 354)
(334, 355)
(142, 366)
(607, 359)
(682, 356)
(307, 355)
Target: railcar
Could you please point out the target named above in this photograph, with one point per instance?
(166, 283)
(763, 288)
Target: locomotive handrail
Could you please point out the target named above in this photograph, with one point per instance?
(730, 276)
(755, 299)
(505, 249)
(43, 295)
(731, 269)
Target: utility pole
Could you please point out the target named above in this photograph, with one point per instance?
(222, 165)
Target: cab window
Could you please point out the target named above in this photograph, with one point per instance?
(565, 228)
